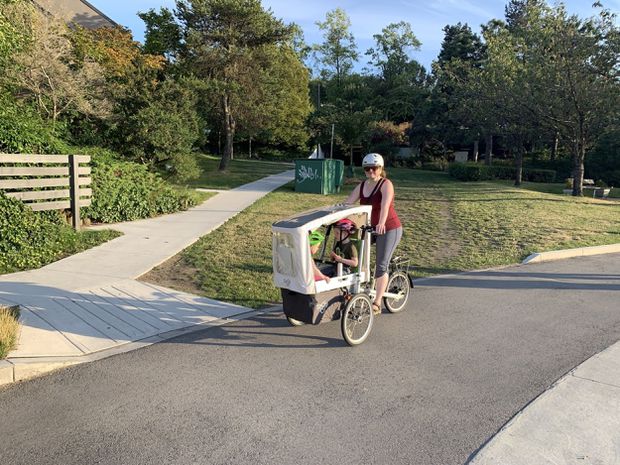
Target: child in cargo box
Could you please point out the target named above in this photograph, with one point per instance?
(316, 239)
(344, 250)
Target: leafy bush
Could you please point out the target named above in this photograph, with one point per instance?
(125, 191)
(535, 175)
(562, 166)
(31, 240)
(22, 130)
(502, 171)
(439, 165)
(603, 162)
(274, 154)
(470, 172)
(478, 172)
(158, 124)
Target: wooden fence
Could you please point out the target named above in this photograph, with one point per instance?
(47, 182)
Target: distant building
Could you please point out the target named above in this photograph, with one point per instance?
(78, 12)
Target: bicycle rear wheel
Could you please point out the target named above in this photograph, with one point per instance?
(294, 322)
(357, 319)
(397, 284)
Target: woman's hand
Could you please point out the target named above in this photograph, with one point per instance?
(380, 228)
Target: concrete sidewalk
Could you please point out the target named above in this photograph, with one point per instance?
(90, 303)
(576, 421)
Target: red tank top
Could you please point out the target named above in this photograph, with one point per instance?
(374, 199)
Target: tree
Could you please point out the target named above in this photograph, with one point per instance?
(581, 76)
(338, 51)
(572, 73)
(162, 35)
(457, 115)
(391, 54)
(402, 81)
(461, 43)
(47, 73)
(223, 40)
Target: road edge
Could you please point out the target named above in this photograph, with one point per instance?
(552, 255)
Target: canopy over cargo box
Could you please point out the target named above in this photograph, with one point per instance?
(292, 261)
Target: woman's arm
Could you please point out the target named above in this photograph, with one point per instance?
(387, 195)
(354, 196)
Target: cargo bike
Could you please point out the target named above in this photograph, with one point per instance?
(350, 293)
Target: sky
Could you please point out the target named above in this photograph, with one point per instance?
(368, 17)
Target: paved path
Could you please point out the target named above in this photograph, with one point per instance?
(90, 301)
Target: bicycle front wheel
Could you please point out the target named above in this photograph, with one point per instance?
(357, 319)
(397, 284)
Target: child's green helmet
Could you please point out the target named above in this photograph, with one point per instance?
(316, 237)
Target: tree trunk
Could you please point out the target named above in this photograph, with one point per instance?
(488, 151)
(556, 143)
(351, 171)
(229, 124)
(579, 153)
(250, 149)
(519, 165)
(476, 142)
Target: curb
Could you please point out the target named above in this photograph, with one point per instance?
(570, 253)
(13, 370)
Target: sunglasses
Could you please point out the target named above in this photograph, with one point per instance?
(368, 168)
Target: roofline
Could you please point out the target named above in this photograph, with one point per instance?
(99, 12)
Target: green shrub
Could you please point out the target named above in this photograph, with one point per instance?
(470, 172)
(536, 175)
(502, 171)
(439, 165)
(478, 172)
(31, 240)
(603, 162)
(274, 154)
(126, 191)
(22, 130)
(562, 166)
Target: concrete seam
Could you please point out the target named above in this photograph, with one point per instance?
(97, 316)
(80, 318)
(596, 382)
(85, 297)
(173, 296)
(146, 304)
(62, 333)
(135, 316)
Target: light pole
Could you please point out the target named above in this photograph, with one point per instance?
(331, 149)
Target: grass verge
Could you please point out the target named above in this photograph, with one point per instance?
(449, 226)
(9, 327)
(239, 172)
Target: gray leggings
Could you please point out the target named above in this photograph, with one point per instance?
(386, 244)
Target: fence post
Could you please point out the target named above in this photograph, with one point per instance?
(74, 174)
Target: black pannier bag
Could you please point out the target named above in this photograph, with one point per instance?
(314, 308)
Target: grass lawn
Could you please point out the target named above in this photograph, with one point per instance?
(239, 172)
(448, 226)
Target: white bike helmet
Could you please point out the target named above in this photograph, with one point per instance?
(372, 159)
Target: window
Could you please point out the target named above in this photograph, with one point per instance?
(284, 262)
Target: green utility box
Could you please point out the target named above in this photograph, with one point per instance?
(319, 176)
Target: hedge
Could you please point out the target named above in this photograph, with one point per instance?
(479, 172)
(31, 240)
(127, 191)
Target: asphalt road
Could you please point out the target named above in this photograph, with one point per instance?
(429, 386)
